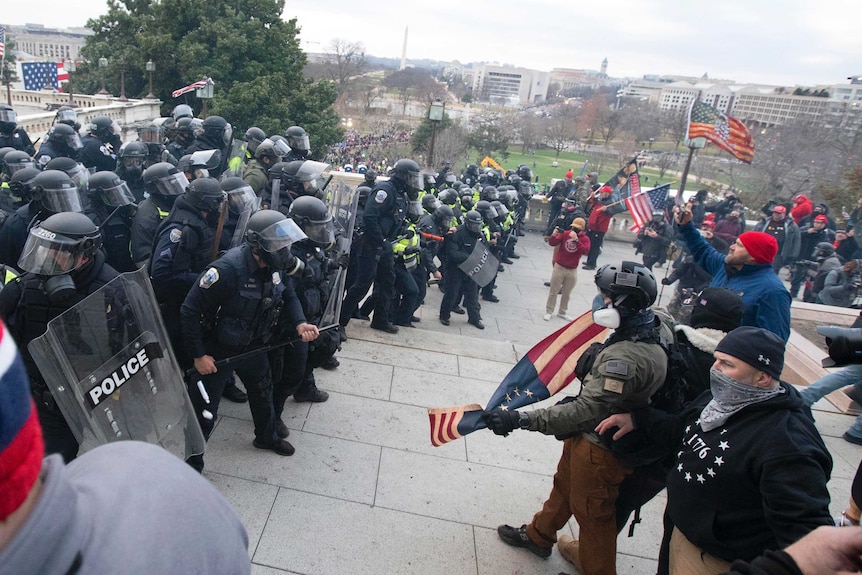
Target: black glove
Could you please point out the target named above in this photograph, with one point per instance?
(501, 422)
(666, 281)
(411, 250)
(343, 261)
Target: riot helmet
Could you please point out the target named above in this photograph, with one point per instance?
(414, 211)
(485, 209)
(103, 128)
(303, 177)
(271, 150)
(253, 137)
(218, 130)
(406, 174)
(364, 192)
(271, 234)
(473, 222)
(152, 133)
(184, 131)
(16, 160)
(450, 180)
(165, 179)
(59, 245)
(240, 196)
(525, 173)
(205, 194)
(467, 201)
(370, 177)
(67, 115)
(182, 111)
(77, 172)
(65, 136)
(501, 210)
(511, 198)
(429, 203)
(21, 184)
(56, 192)
(445, 217)
(112, 190)
(630, 285)
(311, 215)
(297, 139)
(198, 164)
(132, 157)
(448, 197)
(8, 119)
(489, 193)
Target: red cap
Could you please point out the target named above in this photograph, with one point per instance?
(822, 218)
(569, 174)
(780, 209)
(761, 246)
(605, 190)
(707, 224)
(800, 198)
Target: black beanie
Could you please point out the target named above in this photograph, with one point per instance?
(757, 347)
(717, 308)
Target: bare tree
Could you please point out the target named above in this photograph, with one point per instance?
(344, 60)
(675, 124)
(531, 130)
(665, 161)
(410, 83)
(560, 129)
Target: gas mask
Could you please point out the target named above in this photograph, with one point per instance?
(60, 288)
(604, 313)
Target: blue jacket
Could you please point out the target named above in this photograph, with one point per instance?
(766, 300)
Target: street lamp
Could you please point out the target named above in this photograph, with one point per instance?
(123, 81)
(70, 67)
(150, 69)
(103, 63)
(435, 114)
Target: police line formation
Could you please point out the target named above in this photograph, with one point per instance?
(249, 248)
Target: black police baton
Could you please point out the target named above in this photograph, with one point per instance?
(245, 355)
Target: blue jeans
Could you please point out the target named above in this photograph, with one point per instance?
(850, 375)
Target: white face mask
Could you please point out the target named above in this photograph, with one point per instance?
(604, 314)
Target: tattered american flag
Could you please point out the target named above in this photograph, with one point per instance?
(724, 131)
(644, 204)
(190, 87)
(2, 42)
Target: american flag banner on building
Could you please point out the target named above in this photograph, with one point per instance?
(546, 369)
(37, 75)
(642, 205)
(2, 42)
(62, 74)
(185, 89)
(726, 132)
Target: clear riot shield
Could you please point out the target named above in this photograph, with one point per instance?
(342, 201)
(113, 373)
(236, 159)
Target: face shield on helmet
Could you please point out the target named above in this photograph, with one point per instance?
(117, 194)
(12, 165)
(298, 142)
(67, 116)
(502, 211)
(63, 198)
(240, 200)
(414, 211)
(152, 134)
(172, 184)
(72, 141)
(47, 253)
(473, 222)
(321, 233)
(80, 176)
(310, 175)
(7, 114)
(414, 181)
(275, 242)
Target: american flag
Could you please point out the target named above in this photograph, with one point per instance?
(724, 131)
(62, 74)
(199, 84)
(2, 42)
(546, 369)
(39, 74)
(642, 205)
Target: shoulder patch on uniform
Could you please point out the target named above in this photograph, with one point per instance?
(380, 197)
(209, 278)
(614, 385)
(176, 235)
(617, 367)
(276, 278)
(104, 150)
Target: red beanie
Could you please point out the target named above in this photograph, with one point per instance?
(569, 174)
(761, 246)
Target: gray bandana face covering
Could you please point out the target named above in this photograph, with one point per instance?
(730, 396)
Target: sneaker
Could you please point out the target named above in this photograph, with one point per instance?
(281, 429)
(546, 317)
(280, 446)
(564, 317)
(311, 395)
(570, 550)
(458, 310)
(852, 438)
(517, 537)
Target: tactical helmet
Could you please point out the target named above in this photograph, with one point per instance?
(467, 201)
(430, 203)
(364, 192)
(112, 190)
(473, 221)
(59, 245)
(240, 196)
(297, 139)
(406, 172)
(56, 192)
(272, 149)
(501, 209)
(218, 130)
(8, 119)
(152, 133)
(311, 215)
(489, 193)
(205, 194)
(67, 115)
(182, 111)
(184, 129)
(253, 137)
(371, 177)
(444, 216)
(485, 209)
(133, 155)
(21, 183)
(271, 233)
(77, 172)
(303, 177)
(629, 284)
(16, 160)
(448, 197)
(165, 179)
(103, 127)
(65, 135)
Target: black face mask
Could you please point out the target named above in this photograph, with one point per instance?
(60, 288)
(213, 218)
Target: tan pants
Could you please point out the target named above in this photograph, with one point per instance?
(561, 278)
(688, 559)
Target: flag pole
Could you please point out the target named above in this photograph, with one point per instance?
(678, 200)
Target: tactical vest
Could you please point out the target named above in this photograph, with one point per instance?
(314, 287)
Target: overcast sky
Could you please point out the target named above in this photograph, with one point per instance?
(784, 42)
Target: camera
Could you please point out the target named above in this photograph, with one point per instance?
(845, 345)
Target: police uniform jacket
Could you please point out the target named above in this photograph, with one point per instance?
(430, 248)
(13, 234)
(17, 139)
(235, 305)
(313, 287)
(384, 215)
(150, 214)
(458, 247)
(623, 377)
(48, 151)
(116, 234)
(97, 154)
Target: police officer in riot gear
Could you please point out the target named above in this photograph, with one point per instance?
(101, 145)
(266, 155)
(53, 192)
(458, 248)
(297, 139)
(20, 190)
(153, 137)
(63, 265)
(383, 221)
(241, 203)
(294, 179)
(370, 177)
(63, 142)
(181, 111)
(79, 175)
(432, 232)
(130, 167)
(234, 307)
(216, 134)
(253, 137)
(164, 183)
(67, 115)
(10, 134)
(14, 161)
(183, 135)
(112, 207)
